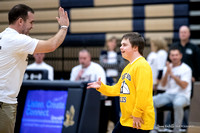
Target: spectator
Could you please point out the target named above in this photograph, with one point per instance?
(87, 70)
(157, 59)
(40, 64)
(113, 63)
(15, 45)
(191, 52)
(177, 77)
(111, 60)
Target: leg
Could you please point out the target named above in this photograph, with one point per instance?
(7, 117)
(159, 101)
(122, 129)
(117, 128)
(178, 104)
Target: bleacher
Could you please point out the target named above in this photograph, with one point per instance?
(93, 21)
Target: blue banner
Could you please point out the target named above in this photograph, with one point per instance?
(44, 111)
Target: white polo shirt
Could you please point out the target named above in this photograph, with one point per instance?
(14, 49)
(91, 73)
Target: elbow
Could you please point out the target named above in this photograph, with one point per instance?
(184, 85)
(52, 49)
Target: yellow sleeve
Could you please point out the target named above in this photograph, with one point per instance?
(143, 83)
(110, 90)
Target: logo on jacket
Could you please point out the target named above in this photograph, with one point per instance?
(189, 51)
(124, 88)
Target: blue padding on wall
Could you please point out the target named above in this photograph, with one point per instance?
(157, 1)
(76, 3)
(179, 22)
(176, 36)
(181, 10)
(84, 40)
(138, 25)
(138, 11)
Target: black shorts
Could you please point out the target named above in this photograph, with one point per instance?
(122, 129)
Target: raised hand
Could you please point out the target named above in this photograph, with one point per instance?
(169, 67)
(80, 74)
(96, 84)
(63, 19)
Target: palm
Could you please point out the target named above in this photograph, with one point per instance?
(63, 17)
(95, 84)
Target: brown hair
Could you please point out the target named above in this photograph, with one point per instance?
(109, 40)
(136, 40)
(159, 43)
(19, 11)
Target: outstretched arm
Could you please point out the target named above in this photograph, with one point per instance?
(46, 46)
(105, 89)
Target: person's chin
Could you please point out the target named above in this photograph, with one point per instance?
(123, 56)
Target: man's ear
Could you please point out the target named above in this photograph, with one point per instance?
(20, 21)
(135, 48)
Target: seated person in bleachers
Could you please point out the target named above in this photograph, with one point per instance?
(177, 77)
(40, 64)
(87, 70)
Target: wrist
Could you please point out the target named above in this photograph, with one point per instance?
(64, 27)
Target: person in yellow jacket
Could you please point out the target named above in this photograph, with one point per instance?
(135, 88)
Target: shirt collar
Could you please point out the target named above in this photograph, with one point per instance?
(135, 59)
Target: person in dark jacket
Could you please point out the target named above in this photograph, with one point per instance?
(191, 52)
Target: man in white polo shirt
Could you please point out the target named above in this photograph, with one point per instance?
(15, 46)
(177, 78)
(87, 70)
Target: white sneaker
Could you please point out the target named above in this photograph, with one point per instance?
(153, 131)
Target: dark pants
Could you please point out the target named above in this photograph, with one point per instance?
(122, 129)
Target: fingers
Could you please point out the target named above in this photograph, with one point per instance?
(57, 19)
(89, 83)
(134, 124)
(137, 125)
(137, 122)
(142, 121)
(99, 79)
(88, 87)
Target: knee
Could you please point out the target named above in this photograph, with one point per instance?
(155, 103)
(177, 105)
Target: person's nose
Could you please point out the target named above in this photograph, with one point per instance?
(121, 47)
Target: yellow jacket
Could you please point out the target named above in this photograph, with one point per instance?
(135, 88)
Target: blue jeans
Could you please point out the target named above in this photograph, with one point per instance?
(179, 102)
